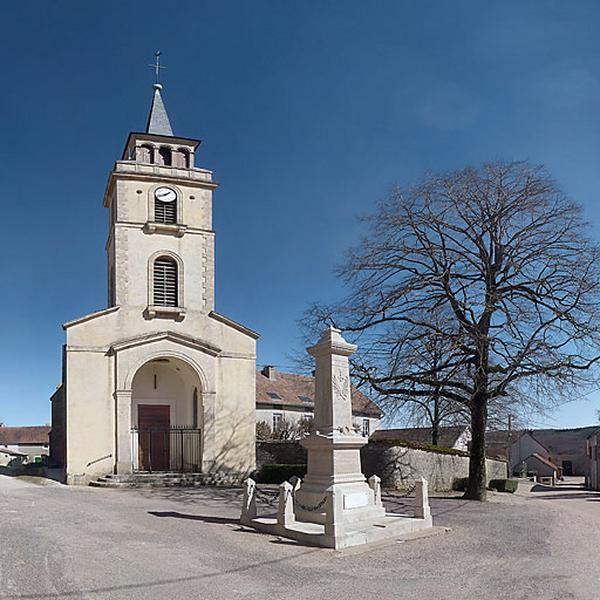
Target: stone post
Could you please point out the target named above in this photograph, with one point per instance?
(285, 508)
(375, 484)
(249, 501)
(123, 431)
(422, 510)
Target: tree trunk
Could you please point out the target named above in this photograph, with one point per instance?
(435, 429)
(476, 485)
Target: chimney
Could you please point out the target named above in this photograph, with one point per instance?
(269, 371)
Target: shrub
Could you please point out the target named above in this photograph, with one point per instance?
(279, 473)
(504, 485)
(460, 484)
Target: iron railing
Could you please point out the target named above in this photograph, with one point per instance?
(169, 449)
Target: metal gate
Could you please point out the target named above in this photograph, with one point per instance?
(169, 449)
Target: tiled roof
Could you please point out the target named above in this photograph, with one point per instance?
(544, 460)
(36, 434)
(299, 390)
(447, 438)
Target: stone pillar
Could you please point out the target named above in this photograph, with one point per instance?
(285, 508)
(209, 434)
(375, 485)
(422, 510)
(123, 431)
(249, 501)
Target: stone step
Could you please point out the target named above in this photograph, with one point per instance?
(165, 479)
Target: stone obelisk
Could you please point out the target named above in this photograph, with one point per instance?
(334, 491)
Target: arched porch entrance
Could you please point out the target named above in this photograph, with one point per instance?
(166, 417)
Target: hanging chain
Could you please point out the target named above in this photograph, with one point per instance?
(311, 508)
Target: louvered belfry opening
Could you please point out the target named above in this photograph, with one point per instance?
(165, 212)
(165, 281)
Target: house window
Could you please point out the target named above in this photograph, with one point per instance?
(165, 212)
(165, 281)
(273, 396)
(366, 427)
(277, 421)
(305, 399)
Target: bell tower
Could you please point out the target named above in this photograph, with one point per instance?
(159, 357)
(160, 245)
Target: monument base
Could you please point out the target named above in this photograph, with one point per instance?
(389, 526)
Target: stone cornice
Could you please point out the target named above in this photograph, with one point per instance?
(98, 313)
(233, 324)
(172, 336)
(126, 169)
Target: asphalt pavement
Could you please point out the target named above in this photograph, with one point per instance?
(76, 542)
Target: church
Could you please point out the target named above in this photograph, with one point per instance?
(158, 380)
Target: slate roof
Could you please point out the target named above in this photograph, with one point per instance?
(158, 119)
(299, 391)
(447, 438)
(32, 435)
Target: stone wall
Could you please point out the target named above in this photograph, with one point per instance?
(398, 466)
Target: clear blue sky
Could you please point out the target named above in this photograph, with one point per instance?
(309, 113)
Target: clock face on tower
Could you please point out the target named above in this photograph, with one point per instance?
(165, 194)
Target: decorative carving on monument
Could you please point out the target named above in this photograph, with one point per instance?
(341, 385)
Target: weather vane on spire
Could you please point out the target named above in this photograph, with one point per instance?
(157, 66)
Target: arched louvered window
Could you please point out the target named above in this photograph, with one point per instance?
(165, 281)
(165, 212)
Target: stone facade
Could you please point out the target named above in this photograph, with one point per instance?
(593, 456)
(139, 352)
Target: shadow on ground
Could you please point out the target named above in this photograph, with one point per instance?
(203, 518)
(547, 492)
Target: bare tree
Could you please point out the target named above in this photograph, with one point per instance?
(505, 256)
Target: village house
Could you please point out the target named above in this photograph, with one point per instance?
(592, 477)
(289, 398)
(24, 444)
(158, 380)
(565, 448)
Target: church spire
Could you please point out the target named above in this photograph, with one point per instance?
(158, 119)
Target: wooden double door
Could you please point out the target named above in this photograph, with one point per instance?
(154, 430)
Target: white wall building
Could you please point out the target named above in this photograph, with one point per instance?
(289, 397)
(593, 456)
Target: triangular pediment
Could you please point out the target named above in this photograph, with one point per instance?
(172, 336)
